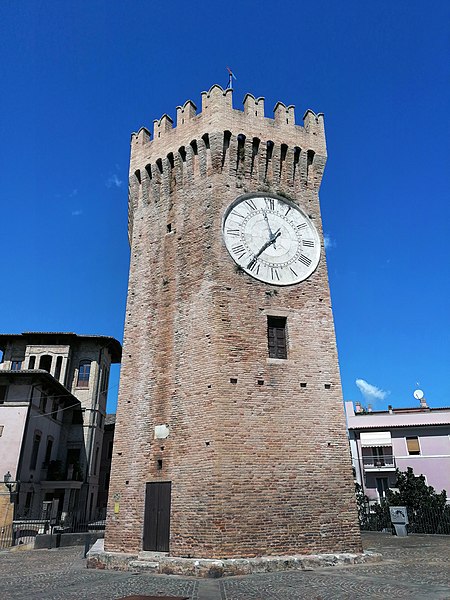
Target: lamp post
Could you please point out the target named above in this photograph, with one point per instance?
(11, 485)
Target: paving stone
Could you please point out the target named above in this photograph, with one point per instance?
(416, 567)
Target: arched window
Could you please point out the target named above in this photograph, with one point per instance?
(45, 362)
(84, 371)
(58, 367)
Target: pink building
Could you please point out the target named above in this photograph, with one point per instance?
(397, 438)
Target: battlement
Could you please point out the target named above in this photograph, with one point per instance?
(218, 114)
(246, 144)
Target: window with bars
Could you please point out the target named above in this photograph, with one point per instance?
(412, 444)
(276, 337)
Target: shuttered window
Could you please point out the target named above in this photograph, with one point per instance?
(412, 443)
(276, 335)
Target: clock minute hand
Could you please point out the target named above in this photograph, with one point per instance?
(273, 239)
(268, 224)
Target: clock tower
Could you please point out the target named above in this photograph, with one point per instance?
(230, 434)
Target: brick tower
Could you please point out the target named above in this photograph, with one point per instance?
(230, 438)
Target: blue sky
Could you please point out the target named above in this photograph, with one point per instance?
(78, 77)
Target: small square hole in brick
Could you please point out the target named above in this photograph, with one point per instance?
(328, 386)
(260, 381)
(233, 380)
(159, 464)
(169, 227)
(303, 384)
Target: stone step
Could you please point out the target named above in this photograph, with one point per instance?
(150, 555)
(147, 565)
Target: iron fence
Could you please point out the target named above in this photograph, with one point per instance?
(421, 520)
(21, 532)
(24, 531)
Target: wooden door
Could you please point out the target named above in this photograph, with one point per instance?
(157, 516)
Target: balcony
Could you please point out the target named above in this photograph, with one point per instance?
(379, 463)
(53, 475)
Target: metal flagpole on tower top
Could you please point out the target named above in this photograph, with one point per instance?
(231, 76)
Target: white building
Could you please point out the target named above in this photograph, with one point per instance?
(53, 389)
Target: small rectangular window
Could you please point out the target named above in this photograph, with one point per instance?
(1, 430)
(31, 362)
(16, 365)
(276, 337)
(412, 443)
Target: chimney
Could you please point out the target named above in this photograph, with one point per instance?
(390, 409)
(358, 408)
(369, 408)
(423, 402)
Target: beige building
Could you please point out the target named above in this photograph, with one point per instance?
(230, 434)
(53, 389)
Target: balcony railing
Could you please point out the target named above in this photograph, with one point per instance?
(378, 462)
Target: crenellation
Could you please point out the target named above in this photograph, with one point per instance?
(161, 126)
(313, 123)
(217, 99)
(254, 106)
(217, 116)
(290, 114)
(185, 113)
(142, 137)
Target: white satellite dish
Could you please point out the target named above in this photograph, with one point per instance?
(418, 394)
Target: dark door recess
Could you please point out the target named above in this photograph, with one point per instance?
(157, 516)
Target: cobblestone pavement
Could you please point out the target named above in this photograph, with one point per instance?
(417, 567)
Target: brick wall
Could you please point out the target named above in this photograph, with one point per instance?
(255, 468)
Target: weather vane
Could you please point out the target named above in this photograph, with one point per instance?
(231, 76)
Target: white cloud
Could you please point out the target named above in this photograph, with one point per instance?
(114, 181)
(328, 242)
(73, 193)
(370, 392)
(77, 213)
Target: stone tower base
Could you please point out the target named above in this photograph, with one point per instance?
(161, 563)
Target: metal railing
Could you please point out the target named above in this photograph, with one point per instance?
(379, 462)
(24, 530)
(421, 520)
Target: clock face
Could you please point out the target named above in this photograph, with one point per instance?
(271, 239)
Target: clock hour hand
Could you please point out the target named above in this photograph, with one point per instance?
(273, 239)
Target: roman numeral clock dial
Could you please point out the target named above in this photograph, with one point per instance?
(271, 239)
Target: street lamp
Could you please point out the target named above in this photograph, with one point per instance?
(9, 484)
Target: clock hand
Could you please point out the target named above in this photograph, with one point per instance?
(273, 239)
(268, 227)
(268, 224)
